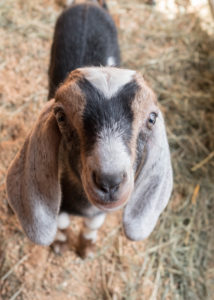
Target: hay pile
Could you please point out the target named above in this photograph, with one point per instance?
(177, 58)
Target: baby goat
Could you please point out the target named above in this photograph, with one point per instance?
(100, 145)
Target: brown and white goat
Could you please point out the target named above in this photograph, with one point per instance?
(98, 146)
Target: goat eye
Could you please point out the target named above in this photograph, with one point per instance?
(61, 117)
(152, 119)
(59, 114)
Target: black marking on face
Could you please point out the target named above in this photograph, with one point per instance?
(113, 114)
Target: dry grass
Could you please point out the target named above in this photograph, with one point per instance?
(177, 58)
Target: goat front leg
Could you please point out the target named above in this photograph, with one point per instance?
(61, 242)
(88, 236)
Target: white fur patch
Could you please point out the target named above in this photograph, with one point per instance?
(107, 79)
(69, 2)
(91, 226)
(96, 222)
(90, 235)
(60, 237)
(43, 228)
(111, 154)
(63, 221)
(111, 61)
(91, 211)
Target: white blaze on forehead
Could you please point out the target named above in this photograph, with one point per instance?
(69, 2)
(108, 79)
(111, 61)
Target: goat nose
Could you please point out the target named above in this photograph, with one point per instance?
(108, 182)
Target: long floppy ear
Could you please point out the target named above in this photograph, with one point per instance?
(152, 188)
(32, 181)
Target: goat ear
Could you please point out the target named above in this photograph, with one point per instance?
(152, 187)
(32, 181)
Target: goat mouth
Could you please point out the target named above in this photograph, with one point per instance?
(108, 205)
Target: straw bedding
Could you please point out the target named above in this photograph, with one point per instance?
(176, 56)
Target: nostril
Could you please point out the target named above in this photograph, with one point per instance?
(115, 188)
(94, 176)
(108, 182)
(98, 182)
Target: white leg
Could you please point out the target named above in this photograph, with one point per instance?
(91, 227)
(63, 221)
(87, 238)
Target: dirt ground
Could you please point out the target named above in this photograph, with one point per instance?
(173, 46)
